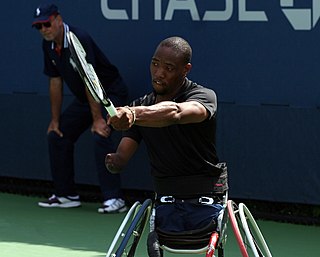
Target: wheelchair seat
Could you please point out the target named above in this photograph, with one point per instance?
(192, 239)
(203, 240)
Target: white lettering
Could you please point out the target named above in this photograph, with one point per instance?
(157, 10)
(182, 5)
(286, 3)
(316, 12)
(245, 15)
(135, 9)
(220, 15)
(299, 18)
(111, 14)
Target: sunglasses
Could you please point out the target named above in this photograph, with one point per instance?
(38, 26)
(47, 24)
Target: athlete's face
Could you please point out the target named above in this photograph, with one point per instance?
(51, 30)
(168, 70)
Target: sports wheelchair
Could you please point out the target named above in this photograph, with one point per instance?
(247, 233)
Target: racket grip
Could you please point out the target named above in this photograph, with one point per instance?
(111, 110)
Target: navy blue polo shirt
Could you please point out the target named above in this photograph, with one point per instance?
(61, 65)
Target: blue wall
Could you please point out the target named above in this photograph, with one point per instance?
(261, 60)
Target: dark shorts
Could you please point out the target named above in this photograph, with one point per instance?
(177, 217)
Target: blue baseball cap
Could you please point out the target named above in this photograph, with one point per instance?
(43, 12)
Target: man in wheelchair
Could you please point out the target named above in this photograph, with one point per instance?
(187, 219)
(177, 122)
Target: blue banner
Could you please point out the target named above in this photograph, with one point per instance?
(261, 57)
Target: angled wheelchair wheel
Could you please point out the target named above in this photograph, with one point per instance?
(234, 217)
(247, 232)
(123, 229)
(255, 238)
(129, 243)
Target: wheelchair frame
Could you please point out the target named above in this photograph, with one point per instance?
(247, 232)
(248, 235)
(128, 235)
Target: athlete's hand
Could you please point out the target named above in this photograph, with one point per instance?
(100, 127)
(54, 126)
(123, 120)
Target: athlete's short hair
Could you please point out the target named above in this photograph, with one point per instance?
(180, 46)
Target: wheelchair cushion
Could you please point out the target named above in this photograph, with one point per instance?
(192, 239)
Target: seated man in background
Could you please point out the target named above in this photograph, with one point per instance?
(177, 122)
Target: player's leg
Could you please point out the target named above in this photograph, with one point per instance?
(73, 122)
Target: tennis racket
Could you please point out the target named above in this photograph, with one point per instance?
(88, 74)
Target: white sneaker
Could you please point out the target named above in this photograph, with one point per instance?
(61, 202)
(114, 205)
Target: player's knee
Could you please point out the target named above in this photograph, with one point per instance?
(52, 137)
(98, 139)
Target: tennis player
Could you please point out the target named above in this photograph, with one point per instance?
(177, 122)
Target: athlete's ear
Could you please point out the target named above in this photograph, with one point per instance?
(187, 68)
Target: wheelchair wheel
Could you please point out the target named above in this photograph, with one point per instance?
(123, 228)
(234, 217)
(132, 236)
(256, 240)
(248, 235)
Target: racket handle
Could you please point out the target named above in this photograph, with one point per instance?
(111, 110)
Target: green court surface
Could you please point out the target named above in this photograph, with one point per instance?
(27, 230)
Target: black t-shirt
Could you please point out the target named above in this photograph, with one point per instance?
(181, 150)
(56, 65)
